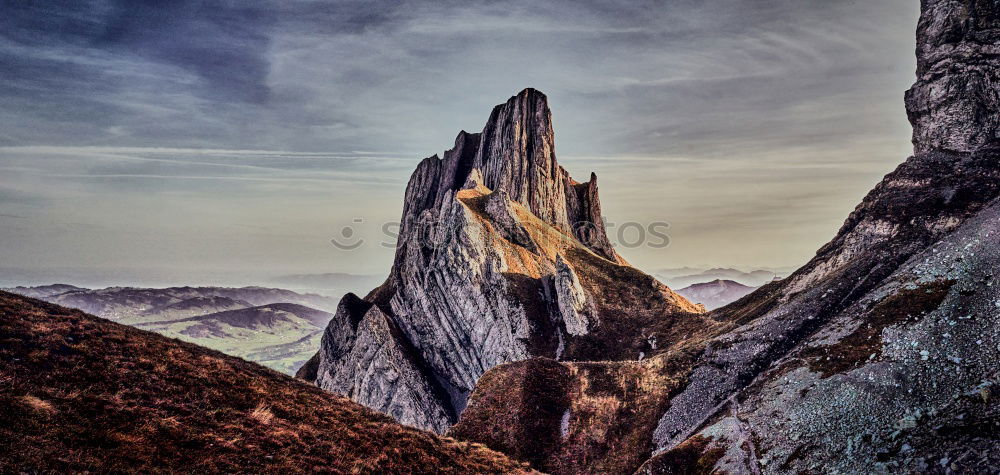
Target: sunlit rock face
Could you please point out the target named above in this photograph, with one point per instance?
(501, 257)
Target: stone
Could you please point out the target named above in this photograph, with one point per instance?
(364, 357)
(574, 305)
(503, 218)
(953, 105)
(800, 359)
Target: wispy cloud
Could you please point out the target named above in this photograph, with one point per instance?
(729, 117)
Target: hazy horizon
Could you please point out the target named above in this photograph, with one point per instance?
(237, 141)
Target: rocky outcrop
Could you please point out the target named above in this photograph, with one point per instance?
(584, 210)
(953, 105)
(826, 368)
(364, 357)
(517, 154)
(902, 379)
(501, 214)
(501, 257)
(575, 309)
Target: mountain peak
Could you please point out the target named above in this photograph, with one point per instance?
(501, 256)
(515, 152)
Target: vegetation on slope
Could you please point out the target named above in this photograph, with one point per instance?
(78, 393)
(573, 417)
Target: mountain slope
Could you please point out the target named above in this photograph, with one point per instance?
(880, 353)
(79, 393)
(501, 256)
(265, 325)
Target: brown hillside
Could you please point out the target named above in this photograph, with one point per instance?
(79, 393)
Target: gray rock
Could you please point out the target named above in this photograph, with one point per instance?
(953, 105)
(574, 305)
(503, 218)
(483, 276)
(364, 357)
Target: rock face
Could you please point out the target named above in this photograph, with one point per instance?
(361, 336)
(501, 257)
(869, 357)
(953, 106)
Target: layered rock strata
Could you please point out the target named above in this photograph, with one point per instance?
(501, 257)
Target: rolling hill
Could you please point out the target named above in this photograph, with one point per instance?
(82, 394)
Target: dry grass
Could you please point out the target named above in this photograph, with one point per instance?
(610, 411)
(516, 408)
(633, 307)
(695, 456)
(38, 404)
(99, 396)
(865, 342)
(262, 413)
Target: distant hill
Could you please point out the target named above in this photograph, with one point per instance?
(84, 394)
(43, 291)
(684, 277)
(716, 293)
(275, 327)
(281, 336)
(193, 307)
(131, 304)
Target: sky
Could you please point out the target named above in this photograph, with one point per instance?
(224, 141)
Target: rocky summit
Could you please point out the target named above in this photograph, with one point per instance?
(953, 105)
(502, 256)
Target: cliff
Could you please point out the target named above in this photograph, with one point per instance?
(501, 257)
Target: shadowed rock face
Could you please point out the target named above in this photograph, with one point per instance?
(953, 105)
(491, 267)
(393, 380)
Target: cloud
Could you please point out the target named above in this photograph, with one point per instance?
(305, 113)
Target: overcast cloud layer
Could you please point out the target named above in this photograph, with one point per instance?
(215, 137)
